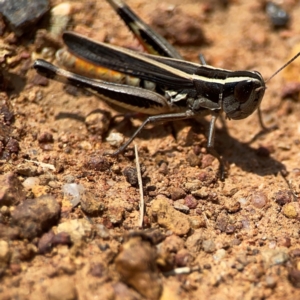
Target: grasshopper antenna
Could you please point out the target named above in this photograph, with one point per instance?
(279, 70)
(266, 129)
(284, 66)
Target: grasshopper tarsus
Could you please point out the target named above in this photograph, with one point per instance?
(222, 171)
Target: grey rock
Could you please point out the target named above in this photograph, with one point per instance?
(11, 190)
(35, 216)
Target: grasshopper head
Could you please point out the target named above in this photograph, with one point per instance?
(242, 94)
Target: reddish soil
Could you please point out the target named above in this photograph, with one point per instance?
(240, 237)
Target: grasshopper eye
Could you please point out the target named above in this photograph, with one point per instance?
(243, 90)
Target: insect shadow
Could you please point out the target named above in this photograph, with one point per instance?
(242, 154)
(248, 158)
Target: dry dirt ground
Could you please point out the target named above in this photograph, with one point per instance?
(237, 239)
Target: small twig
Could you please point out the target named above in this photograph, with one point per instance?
(139, 176)
(205, 219)
(184, 270)
(41, 164)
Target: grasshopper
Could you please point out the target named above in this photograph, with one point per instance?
(160, 84)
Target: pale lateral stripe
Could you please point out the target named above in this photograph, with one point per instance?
(224, 81)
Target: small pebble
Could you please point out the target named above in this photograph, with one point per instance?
(291, 210)
(243, 200)
(169, 217)
(177, 193)
(246, 224)
(60, 17)
(163, 169)
(85, 145)
(197, 222)
(62, 238)
(194, 242)
(54, 184)
(78, 229)
(115, 214)
(230, 229)
(277, 16)
(235, 242)
(30, 182)
(91, 204)
(219, 254)
(73, 192)
(181, 207)
(39, 190)
(98, 123)
(209, 246)
(190, 202)
(193, 185)
(172, 243)
(116, 169)
(98, 163)
(130, 174)
(182, 258)
(207, 177)
(207, 161)
(12, 146)
(115, 139)
(45, 137)
(239, 267)
(4, 210)
(45, 242)
(27, 169)
(202, 194)
(136, 265)
(271, 282)
(222, 222)
(233, 207)
(259, 199)
(193, 159)
(283, 197)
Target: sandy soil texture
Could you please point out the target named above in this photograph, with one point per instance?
(201, 238)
